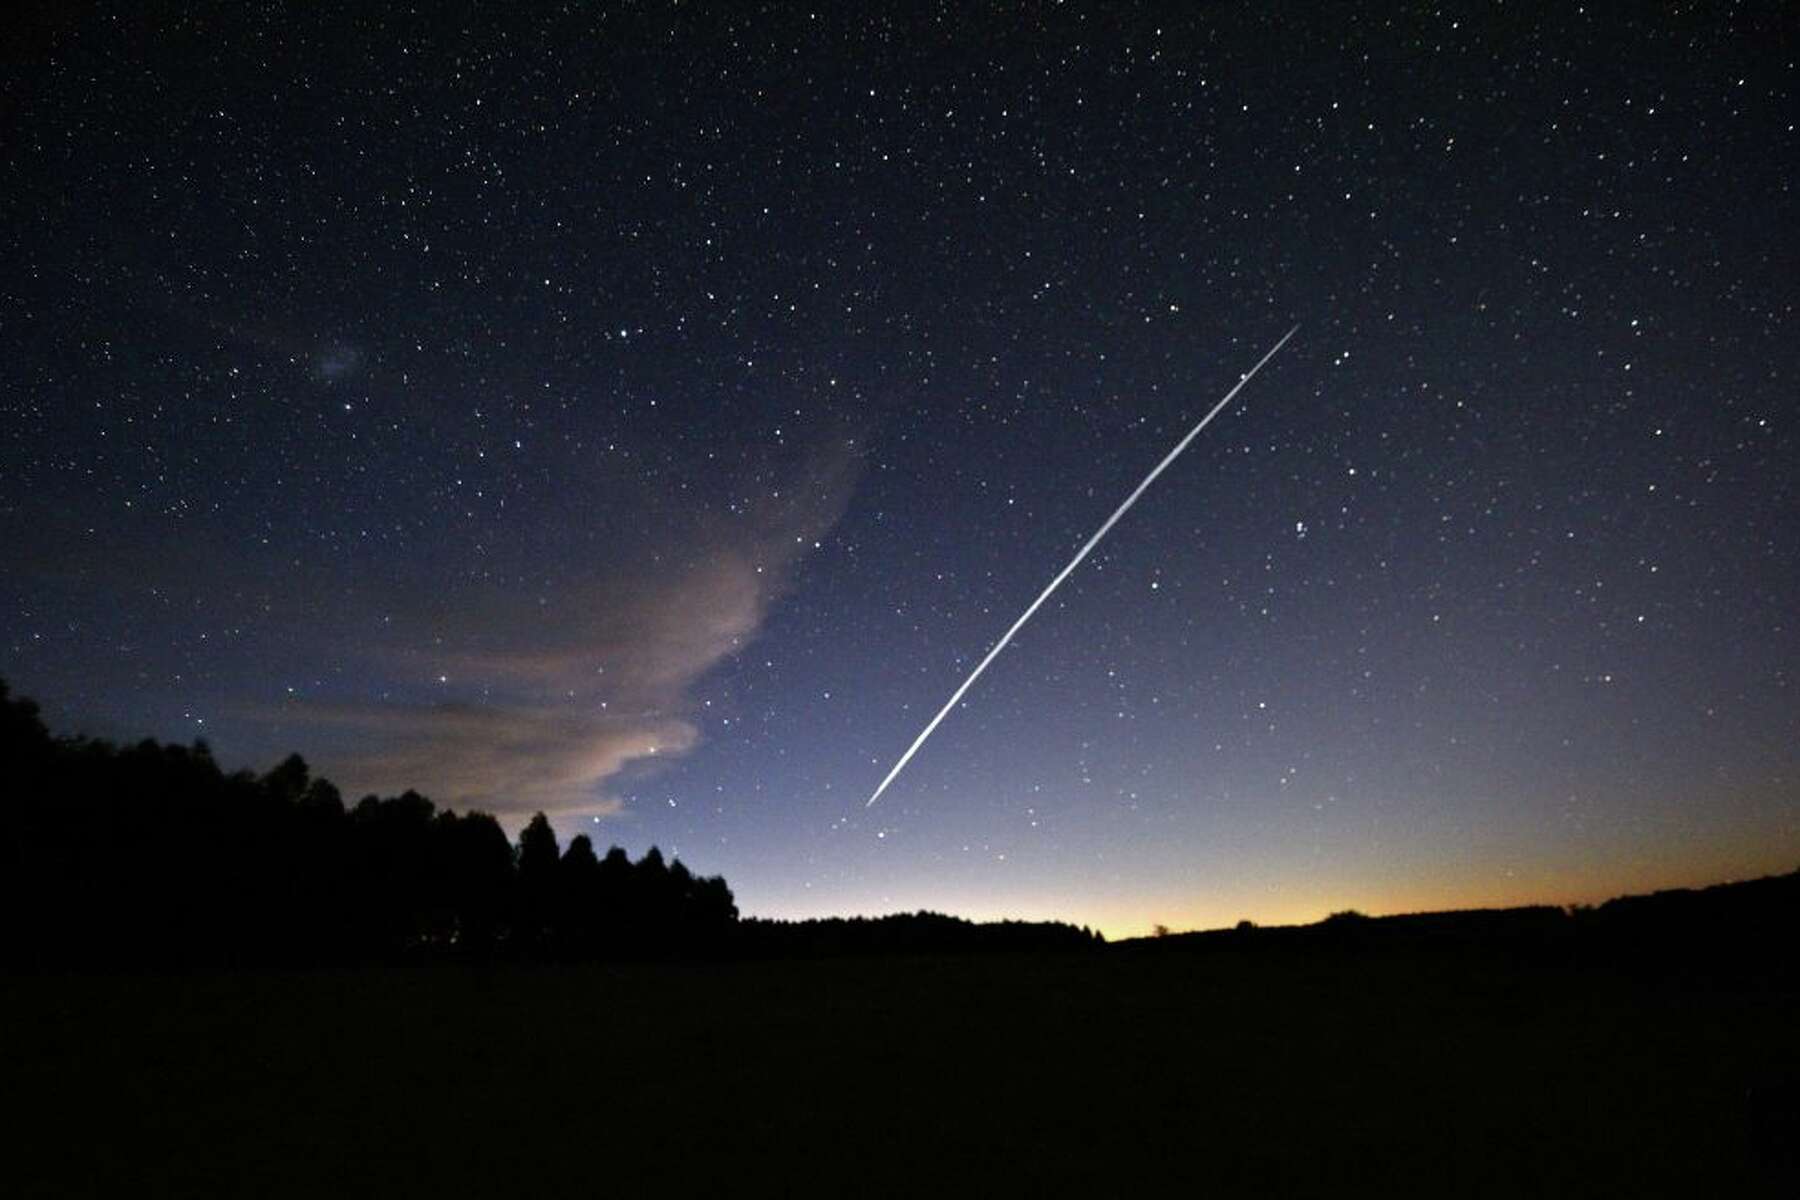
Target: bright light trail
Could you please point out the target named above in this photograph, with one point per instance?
(1076, 562)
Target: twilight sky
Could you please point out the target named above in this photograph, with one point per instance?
(650, 415)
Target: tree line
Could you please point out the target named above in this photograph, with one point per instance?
(152, 854)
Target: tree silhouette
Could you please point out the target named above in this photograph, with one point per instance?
(577, 893)
(473, 878)
(537, 850)
(538, 860)
(288, 782)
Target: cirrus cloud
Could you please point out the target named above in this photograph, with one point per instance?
(562, 689)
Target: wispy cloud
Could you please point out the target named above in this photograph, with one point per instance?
(562, 689)
(503, 758)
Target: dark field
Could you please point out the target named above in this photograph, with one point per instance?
(1105, 1073)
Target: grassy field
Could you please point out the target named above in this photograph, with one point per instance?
(1106, 1073)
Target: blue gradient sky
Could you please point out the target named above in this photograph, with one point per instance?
(651, 419)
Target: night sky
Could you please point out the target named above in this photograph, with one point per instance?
(650, 415)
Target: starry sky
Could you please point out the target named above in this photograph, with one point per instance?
(649, 414)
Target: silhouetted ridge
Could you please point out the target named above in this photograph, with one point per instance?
(905, 933)
(1728, 928)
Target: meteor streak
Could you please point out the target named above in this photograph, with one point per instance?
(1076, 562)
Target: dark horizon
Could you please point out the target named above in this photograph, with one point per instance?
(120, 856)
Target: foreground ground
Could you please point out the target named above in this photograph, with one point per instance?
(1107, 1073)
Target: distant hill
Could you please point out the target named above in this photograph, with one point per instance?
(903, 933)
(1739, 927)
